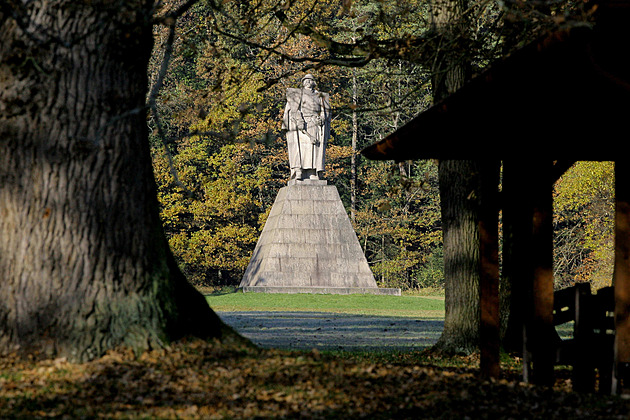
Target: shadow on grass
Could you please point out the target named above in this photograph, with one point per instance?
(297, 330)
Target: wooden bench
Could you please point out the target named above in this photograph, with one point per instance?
(590, 350)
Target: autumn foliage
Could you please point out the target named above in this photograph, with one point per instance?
(222, 157)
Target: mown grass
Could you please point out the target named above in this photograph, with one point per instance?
(421, 307)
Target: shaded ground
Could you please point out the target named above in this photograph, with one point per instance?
(194, 379)
(207, 380)
(333, 331)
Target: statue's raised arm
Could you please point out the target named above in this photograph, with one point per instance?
(307, 122)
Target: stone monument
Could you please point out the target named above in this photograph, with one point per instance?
(306, 121)
(308, 244)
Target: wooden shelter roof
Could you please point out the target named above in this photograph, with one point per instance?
(566, 95)
(563, 98)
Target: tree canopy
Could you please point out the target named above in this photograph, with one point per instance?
(220, 155)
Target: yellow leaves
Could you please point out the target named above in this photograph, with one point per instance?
(584, 182)
(583, 214)
(216, 229)
(225, 247)
(234, 99)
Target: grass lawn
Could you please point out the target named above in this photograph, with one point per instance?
(421, 307)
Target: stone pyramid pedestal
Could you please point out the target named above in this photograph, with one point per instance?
(308, 245)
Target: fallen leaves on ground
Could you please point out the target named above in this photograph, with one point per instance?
(208, 380)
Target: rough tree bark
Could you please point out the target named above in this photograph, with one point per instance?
(84, 263)
(458, 183)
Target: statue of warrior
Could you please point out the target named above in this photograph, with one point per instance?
(307, 123)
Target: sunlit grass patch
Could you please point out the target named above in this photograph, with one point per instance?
(404, 306)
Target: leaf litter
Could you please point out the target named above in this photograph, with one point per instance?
(198, 379)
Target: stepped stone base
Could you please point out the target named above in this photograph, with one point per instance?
(322, 290)
(308, 244)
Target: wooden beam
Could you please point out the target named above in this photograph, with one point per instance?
(622, 273)
(489, 330)
(516, 267)
(555, 90)
(540, 323)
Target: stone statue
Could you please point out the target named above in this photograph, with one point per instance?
(307, 124)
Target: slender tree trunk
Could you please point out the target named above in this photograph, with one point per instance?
(353, 158)
(458, 183)
(84, 263)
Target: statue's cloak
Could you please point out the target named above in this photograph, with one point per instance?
(303, 154)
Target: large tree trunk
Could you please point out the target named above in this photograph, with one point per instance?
(458, 183)
(84, 263)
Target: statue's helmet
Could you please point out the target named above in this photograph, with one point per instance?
(308, 76)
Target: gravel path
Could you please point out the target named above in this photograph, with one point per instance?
(332, 331)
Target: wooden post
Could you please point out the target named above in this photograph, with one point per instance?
(622, 273)
(540, 324)
(516, 267)
(489, 329)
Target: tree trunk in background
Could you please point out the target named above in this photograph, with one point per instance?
(353, 158)
(458, 183)
(452, 67)
(84, 263)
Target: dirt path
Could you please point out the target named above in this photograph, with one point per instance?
(332, 331)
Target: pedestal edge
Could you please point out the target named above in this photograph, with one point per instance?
(321, 290)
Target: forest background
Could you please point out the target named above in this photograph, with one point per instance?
(220, 157)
